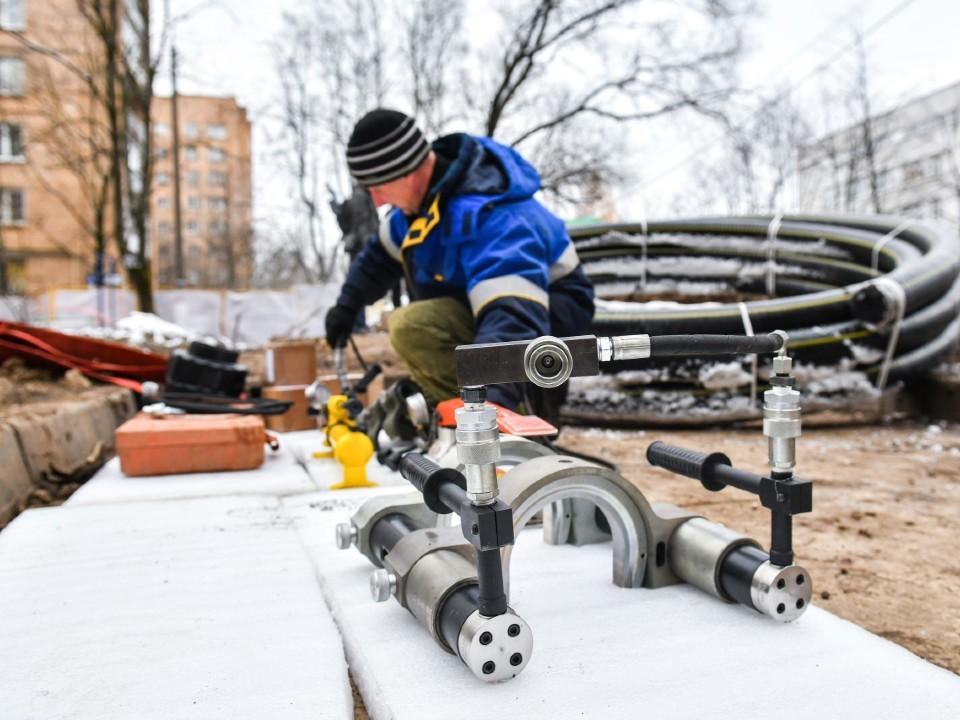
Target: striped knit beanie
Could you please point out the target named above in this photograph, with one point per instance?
(385, 145)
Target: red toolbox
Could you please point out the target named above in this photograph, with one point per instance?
(173, 444)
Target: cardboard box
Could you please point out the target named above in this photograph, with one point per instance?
(288, 364)
(373, 389)
(296, 418)
(174, 444)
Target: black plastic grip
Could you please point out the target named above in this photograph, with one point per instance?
(688, 463)
(431, 479)
(417, 469)
(360, 386)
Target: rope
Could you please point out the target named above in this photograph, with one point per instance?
(772, 231)
(875, 255)
(895, 293)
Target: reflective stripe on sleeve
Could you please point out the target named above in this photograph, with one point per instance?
(565, 264)
(486, 291)
(387, 240)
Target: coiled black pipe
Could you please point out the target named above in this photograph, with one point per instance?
(830, 282)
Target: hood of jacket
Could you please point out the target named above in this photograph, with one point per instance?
(481, 166)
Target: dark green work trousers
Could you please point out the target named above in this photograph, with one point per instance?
(425, 333)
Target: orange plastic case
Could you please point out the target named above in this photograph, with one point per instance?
(174, 444)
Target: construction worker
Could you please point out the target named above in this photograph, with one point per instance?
(484, 261)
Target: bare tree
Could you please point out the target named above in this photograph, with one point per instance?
(563, 81)
(109, 149)
(331, 66)
(576, 64)
(435, 41)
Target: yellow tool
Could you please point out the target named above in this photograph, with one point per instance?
(349, 446)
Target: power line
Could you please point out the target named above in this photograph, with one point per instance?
(783, 93)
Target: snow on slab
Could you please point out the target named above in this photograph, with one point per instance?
(606, 652)
(280, 474)
(193, 609)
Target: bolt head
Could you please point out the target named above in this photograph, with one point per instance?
(345, 535)
(382, 585)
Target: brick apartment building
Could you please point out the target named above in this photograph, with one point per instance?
(215, 193)
(46, 219)
(54, 168)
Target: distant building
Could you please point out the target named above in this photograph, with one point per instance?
(48, 173)
(903, 162)
(56, 209)
(215, 193)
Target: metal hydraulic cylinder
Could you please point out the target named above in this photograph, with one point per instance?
(431, 574)
(734, 568)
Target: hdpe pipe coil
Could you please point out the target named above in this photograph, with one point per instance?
(831, 276)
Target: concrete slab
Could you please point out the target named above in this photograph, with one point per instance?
(605, 652)
(281, 474)
(201, 608)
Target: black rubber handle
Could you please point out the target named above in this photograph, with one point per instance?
(360, 386)
(442, 488)
(689, 463)
(417, 469)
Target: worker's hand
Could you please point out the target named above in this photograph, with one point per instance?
(340, 321)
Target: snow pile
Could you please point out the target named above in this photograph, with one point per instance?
(150, 332)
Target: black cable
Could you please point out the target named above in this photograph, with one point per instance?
(210, 404)
(356, 352)
(560, 450)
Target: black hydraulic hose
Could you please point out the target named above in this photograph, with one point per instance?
(700, 345)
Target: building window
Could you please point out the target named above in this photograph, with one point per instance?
(162, 153)
(218, 204)
(12, 201)
(190, 152)
(163, 178)
(163, 227)
(192, 131)
(193, 227)
(163, 203)
(11, 142)
(217, 179)
(192, 178)
(161, 129)
(12, 76)
(216, 155)
(193, 202)
(12, 16)
(216, 131)
(218, 227)
(193, 251)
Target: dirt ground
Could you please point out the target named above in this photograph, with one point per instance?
(880, 543)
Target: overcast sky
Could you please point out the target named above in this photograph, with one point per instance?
(912, 49)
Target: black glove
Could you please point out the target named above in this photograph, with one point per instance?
(340, 321)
